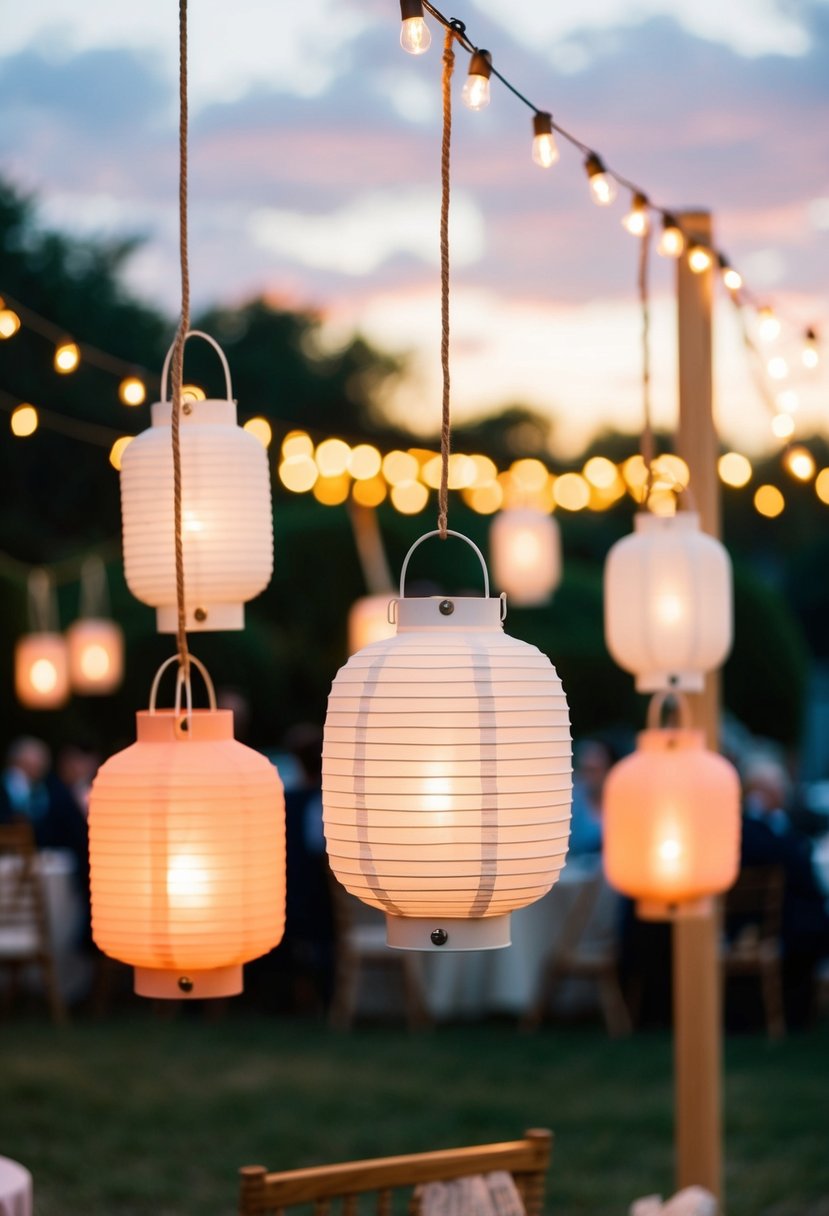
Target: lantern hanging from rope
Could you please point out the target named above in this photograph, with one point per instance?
(227, 526)
(94, 641)
(668, 602)
(368, 621)
(525, 546)
(187, 851)
(41, 672)
(447, 773)
(671, 820)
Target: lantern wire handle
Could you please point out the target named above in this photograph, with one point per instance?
(94, 589)
(197, 333)
(446, 144)
(43, 610)
(665, 706)
(183, 683)
(437, 532)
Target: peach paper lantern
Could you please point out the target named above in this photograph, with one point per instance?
(525, 545)
(668, 609)
(671, 824)
(447, 773)
(227, 525)
(95, 642)
(41, 670)
(187, 853)
(368, 621)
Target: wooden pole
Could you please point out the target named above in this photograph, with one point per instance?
(369, 544)
(696, 979)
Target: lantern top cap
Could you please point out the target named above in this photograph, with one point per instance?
(686, 521)
(177, 726)
(449, 612)
(670, 738)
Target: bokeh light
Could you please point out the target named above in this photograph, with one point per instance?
(769, 501)
(24, 420)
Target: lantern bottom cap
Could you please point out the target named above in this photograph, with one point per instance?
(664, 909)
(446, 934)
(201, 619)
(671, 681)
(188, 985)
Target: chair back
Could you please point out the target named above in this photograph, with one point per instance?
(388, 1177)
(23, 929)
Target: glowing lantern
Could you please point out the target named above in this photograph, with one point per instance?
(227, 529)
(95, 643)
(526, 555)
(187, 853)
(671, 823)
(368, 621)
(41, 671)
(447, 773)
(668, 611)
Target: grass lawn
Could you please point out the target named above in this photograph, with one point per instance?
(143, 1117)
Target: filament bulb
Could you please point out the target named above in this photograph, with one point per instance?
(475, 92)
(602, 185)
(699, 259)
(545, 149)
(636, 220)
(769, 324)
(809, 355)
(671, 240)
(732, 278)
(414, 33)
(67, 357)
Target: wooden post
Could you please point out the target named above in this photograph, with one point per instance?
(696, 979)
(369, 543)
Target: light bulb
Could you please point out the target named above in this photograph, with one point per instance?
(602, 185)
(769, 324)
(777, 368)
(475, 92)
(9, 322)
(809, 355)
(132, 391)
(699, 259)
(67, 357)
(414, 33)
(671, 240)
(732, 278)
(545, 149)
(636, 220)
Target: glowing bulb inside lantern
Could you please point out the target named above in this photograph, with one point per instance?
(43, 675)
(476, 93)
(526, 549)
(669, 852)
(602, 185)
(188, 882)
(545, 149)
(437, 799)
(191, 522)
(669, 608)
(95, 662)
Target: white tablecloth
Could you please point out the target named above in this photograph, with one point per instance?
(64, 910)
(15, 1189)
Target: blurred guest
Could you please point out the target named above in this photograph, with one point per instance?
(23, 792)
(593, 760)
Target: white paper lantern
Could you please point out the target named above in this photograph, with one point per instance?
(447, 774)
(368, 621)
(668, 602)
(227, 526)
(525, 546)
(41, 671)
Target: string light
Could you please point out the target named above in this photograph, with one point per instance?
(9, 322)
(671, 240)
(800, 463)
(364, 462)
(117, 450)
(636, 221)
(734, 469)
(777, 368)
(476, 91)
(732, 278)
(132, 391)
(700, 259)
(769, 325)
(332, 456)
(788, 401)
(67, 358)
(822, 485)
(24, 421)
(545, 148)
(261, 429)
(782, 426)
(769, 501)
(602, 185)
(192, 392)
(809, 355)
(414, 32)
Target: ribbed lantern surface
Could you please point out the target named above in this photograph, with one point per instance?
(671, 823)
(96, 655)
(41, 671)
(447, 775)
(187, 855)
(227, 526)
(525, 546)
(668, 610)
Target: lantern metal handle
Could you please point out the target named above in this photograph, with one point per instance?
(449, 532)
(183, 683)
(197, 333)
(661, 702)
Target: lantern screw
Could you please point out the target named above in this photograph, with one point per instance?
(200, 614)
(439, 937)
(446, 607)
(185, 983)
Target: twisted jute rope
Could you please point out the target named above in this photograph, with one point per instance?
(178, 347)
(446, 144)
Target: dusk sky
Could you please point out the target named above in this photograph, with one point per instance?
(315, 173)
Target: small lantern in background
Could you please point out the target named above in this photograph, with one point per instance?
(187, 852)
(668, 609)
(227, 525)
(671, 822)
(95, 642)
(368, 621)
(447, 773)
(41, 670)
(525, 546)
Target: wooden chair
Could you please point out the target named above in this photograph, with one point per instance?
(751, 942)
(580, 954)
(527, 1160)
(24, 927)
(360, 944)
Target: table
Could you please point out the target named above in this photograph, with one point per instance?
(15, 1189)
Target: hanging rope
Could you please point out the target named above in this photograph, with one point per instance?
(177, 366)
(445, 434)
(647, 446)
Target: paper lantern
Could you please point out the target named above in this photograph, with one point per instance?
(96, 656)
(447, 773)
(525, 545)
(187, 854)
(668, 611)
(368, 621)
(41, 671)
(671, 824)
(227, 527)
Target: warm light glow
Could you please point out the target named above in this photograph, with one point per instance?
(788, 401)
(96, 655)
(782, 426)
(801, 463)
(188, 882)
(364, 462)
(602, 186)
(662, 502)
(636, 221)
(369, 493)
(94, 661)
(769, 501)
(43, 675)
(400, 466)
(261, 429)
(732, 278)
(545, 150)
(669, 608)
(117, 450)
(298, 473)
(635, 473)
(67, 357)
(571, 492)
(331, 491)
(485, 499)
(810, 356)
(778, 368)
(368, 621)
(9, 323)
(192, 392)
(132, 391)
(476, 92)
(670, 472)
(24, 420)
(485, 470)
(768, 324)
(414, 36)
(734, 469)
(699, 259)
(190, 522)
(671, 241)
(409, 497)
(297, 443)
(822, 485)
(529, 475)
(332, 457)
(600, 472)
